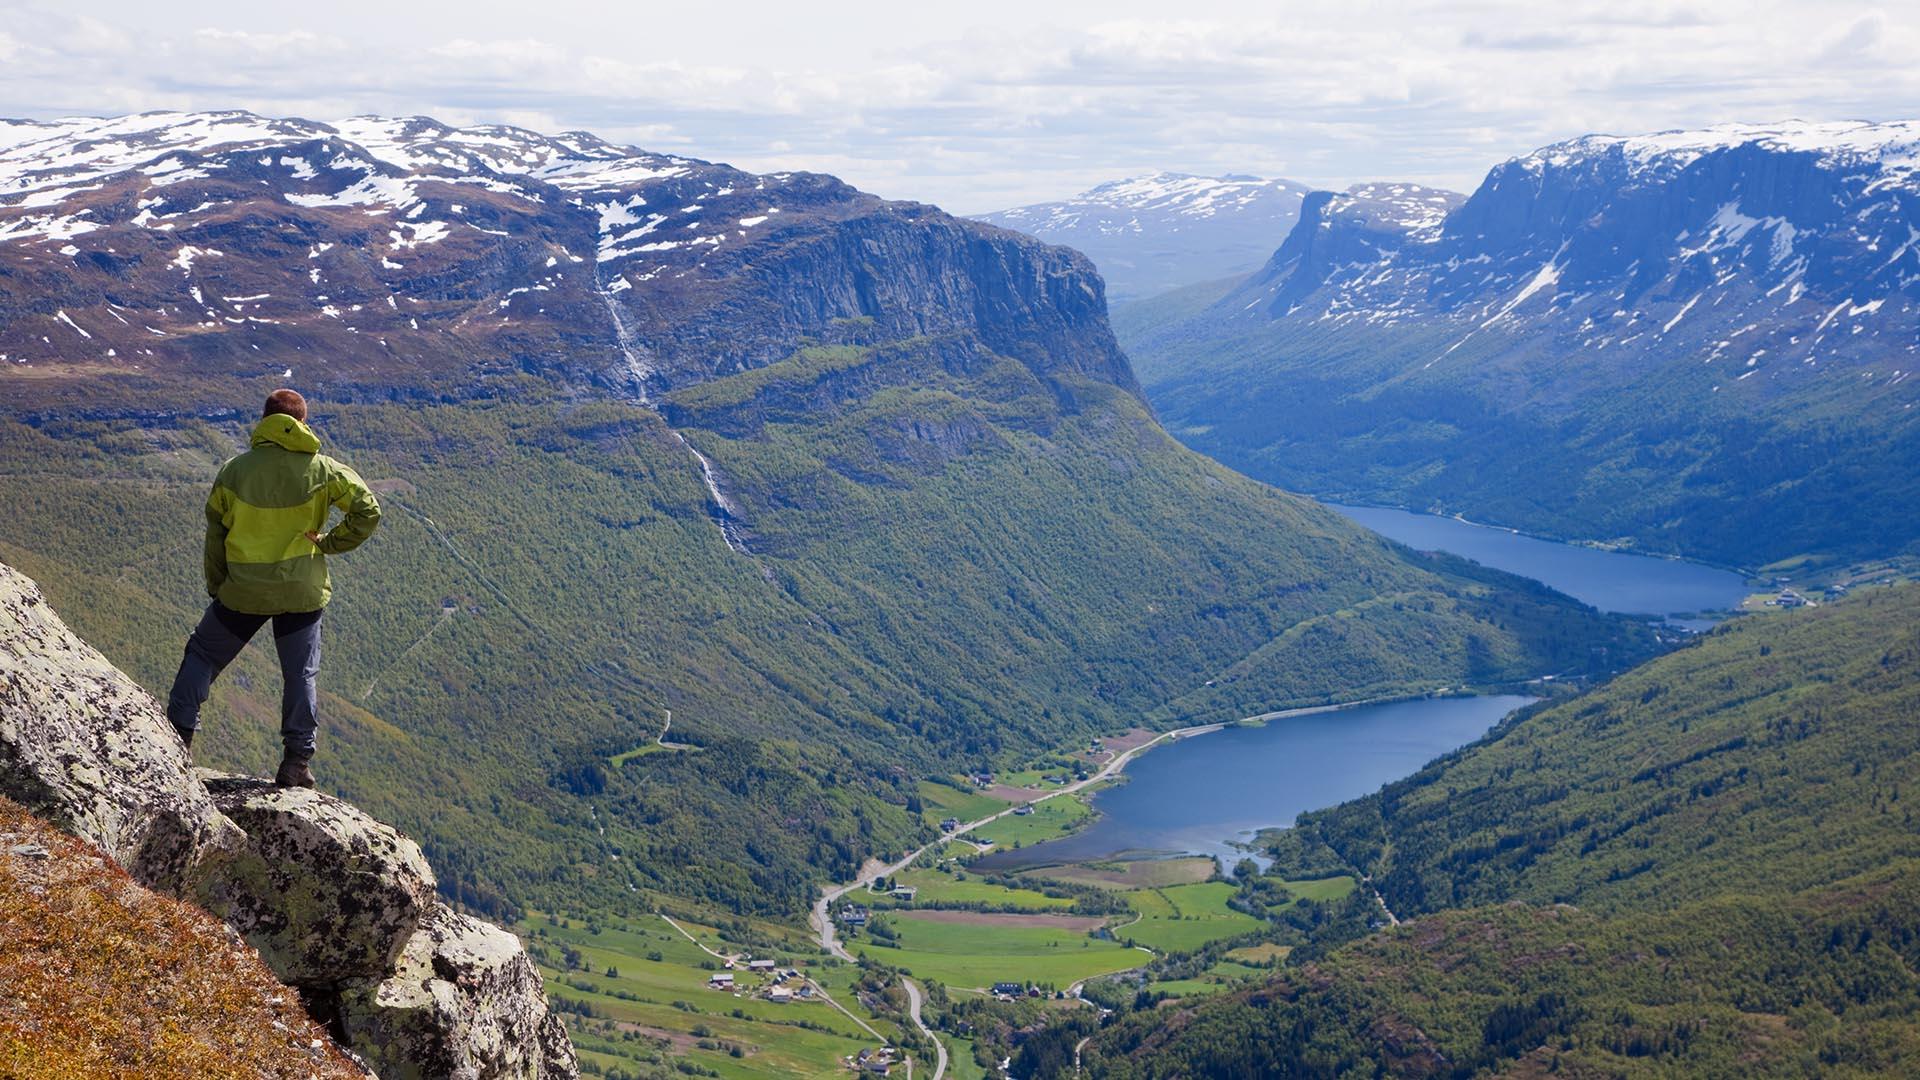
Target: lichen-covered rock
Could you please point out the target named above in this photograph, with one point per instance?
(85, 747)
(464, 1003)
(331, 895)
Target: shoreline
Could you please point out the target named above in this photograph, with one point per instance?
(1746, 574)
(1245, 846)
(1115, 768)
(819, 917)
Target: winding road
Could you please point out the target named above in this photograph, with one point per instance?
(913, 1010)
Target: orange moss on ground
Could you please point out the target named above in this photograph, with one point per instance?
(101, 978)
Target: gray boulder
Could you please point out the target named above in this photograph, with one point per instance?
(464, 1003)
(331, 895)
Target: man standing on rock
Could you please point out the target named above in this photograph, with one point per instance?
(266, 559)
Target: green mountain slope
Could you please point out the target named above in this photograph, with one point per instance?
(1770, 757)
(1665, 463)
(940, 571)
(1729, 825)
(1820, 984)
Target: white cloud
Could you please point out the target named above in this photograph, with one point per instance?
(992, 104)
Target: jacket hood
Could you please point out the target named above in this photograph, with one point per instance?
(286, 433)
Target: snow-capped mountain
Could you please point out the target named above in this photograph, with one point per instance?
(1150, 234)
(1363, 225)
(1749, 290)
(369, 250)
(1778, 248)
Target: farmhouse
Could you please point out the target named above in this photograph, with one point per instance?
(721, 980)
(950, 824)
(780, 995)
(904, 892)
(1022, 811)
(760, 965)
(1008, 989)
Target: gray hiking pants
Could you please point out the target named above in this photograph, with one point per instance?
(221, 635)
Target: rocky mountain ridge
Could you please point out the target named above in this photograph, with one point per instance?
(1799, 239)
(1712, 334)
(1156, 232)
(403, 257)
(340, 906)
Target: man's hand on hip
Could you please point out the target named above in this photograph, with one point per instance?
(315, 537)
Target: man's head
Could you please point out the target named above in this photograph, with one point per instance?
(285, 403)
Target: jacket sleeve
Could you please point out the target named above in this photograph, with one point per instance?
(355, 499)
(214, 559)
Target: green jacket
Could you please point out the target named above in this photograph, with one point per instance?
(258, 558)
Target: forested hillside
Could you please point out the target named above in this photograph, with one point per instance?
(1706, 866)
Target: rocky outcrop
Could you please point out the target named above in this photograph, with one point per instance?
(338, 904)
(100, 977)
(464, 1001)
(333, 895)
(84, 747)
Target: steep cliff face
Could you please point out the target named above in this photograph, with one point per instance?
(1363, 225)
(406, 258)
(338, 905)
(1697, 341)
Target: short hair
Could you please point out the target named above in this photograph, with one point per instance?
(285, 403)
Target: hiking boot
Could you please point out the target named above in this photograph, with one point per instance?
(186, 740)
(293, 773)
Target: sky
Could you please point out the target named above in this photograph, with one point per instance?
(988, 104)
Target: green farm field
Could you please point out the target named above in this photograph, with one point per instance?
(1182, 918)
(1320, 890)
(980, 950)
(1054, 817)
(939, 802)
(1139, 874)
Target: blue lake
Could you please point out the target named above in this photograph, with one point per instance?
(1204, 792)
(1609, 580)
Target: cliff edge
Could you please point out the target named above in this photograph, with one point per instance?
(341, 907)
